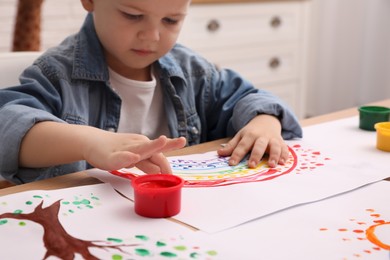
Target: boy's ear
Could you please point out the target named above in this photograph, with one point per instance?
(88, 5)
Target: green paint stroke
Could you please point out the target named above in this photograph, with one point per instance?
(71, 211)
(194, 255)
(22, 223)
(65, 202)
(29, 202)
(180, 248)
(168, 254)
(117, 257)
(37, 197)
(3, 221)
(18, 211)
(116, 240)
(95, 198)
(142, 252)
(82, 202)
(142, 237)
(212, 253)
(160, 244)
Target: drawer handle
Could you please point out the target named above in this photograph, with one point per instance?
(274, 63)
(275, 22)
(213, 26)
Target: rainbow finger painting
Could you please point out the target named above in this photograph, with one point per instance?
(209, 169)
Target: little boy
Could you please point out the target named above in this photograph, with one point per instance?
(107, 96)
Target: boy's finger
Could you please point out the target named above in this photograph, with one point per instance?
(257, 152)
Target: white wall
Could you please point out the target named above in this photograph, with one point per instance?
(60, 18)
(351, 54)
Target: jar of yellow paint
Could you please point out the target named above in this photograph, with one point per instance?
(383, 136)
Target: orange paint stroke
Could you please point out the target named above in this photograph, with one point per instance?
(370, 233)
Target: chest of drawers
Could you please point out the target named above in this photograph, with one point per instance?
(266, 42)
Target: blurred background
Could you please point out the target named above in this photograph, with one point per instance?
(344, 58)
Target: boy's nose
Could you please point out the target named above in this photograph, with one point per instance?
(151, 33)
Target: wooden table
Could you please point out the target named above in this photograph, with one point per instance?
(82, 178)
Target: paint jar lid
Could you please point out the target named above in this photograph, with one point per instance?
(370, 115)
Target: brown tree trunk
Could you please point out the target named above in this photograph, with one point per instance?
(27, 28)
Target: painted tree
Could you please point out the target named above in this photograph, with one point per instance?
(56, 239)
(59, 243)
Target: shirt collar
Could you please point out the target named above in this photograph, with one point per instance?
(89, 61)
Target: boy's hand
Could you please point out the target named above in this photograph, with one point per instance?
(261, 135)
(119, 150)
(50, 143)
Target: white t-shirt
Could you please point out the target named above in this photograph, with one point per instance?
(142, 110)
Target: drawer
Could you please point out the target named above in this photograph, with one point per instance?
(207, 27)
(260, 64)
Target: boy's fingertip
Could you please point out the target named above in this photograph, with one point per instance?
(252, 164)
(272, 163)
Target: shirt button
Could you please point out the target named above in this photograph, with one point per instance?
(111, 129)
(182, 125)
(194, 130)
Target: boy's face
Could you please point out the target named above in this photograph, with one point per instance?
(135, 33)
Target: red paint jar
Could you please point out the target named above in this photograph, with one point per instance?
(157, 195)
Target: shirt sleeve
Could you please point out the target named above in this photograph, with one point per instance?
(16, 122)
(263, 102)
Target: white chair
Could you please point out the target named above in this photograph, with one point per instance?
(12, 65)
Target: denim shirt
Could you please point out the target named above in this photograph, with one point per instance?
(70, 84)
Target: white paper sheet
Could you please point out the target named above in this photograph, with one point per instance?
(341, 227)
(355, 225)
(89, 217)
(332, 158)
